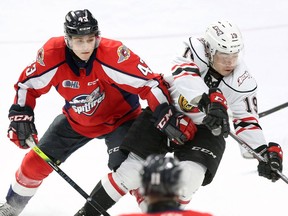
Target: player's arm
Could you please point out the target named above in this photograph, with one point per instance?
(247, 127)
(134, 76)
(210, 101)
(34, 81)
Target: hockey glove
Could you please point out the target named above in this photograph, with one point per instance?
(21, 125)
(273, 154)
(215, 107)
(178, 127)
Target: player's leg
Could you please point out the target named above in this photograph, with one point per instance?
(141, 140)
(200, 159)
(58, 142)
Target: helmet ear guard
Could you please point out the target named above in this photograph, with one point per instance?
(222, 36)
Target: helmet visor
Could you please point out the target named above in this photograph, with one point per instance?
(226, 59)
(225, 63)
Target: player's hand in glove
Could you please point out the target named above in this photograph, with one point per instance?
(21, 125)
(273, 154)
(214, 105)
(178, 127)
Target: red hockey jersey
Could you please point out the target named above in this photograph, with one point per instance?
(99, 97)
(171, 213)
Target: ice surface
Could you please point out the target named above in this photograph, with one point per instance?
(154, 29)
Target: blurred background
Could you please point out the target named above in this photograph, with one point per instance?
(154, 29)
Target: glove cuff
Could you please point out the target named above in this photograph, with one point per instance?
(18, 108)
(159, 109)
(216, 96)
(274, 147)
(204, 103)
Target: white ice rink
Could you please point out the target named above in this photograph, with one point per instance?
(154, 29)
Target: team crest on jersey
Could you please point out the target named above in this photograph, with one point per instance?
(40, 57)
(185, 106)
(71, 84)
(123, 53)
(87, 104)
(243, 77)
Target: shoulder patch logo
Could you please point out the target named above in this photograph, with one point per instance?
(40, 57)
(243, 77)
(185, 106)
(123, 53)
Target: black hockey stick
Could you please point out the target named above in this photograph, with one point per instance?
(32, 144)
(256, 155)
(272, 110)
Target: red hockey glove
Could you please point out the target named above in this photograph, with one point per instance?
(274, 155)
(178, 127)
(215, 107)
(21, 125)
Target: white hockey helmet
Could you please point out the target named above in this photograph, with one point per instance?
(224, 37)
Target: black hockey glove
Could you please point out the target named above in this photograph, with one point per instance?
(21, 125)
(273, 154)
(178, 127)
(215, 107)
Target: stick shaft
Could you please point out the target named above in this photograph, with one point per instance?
(31, 143)
(255, 154)
(272, 110)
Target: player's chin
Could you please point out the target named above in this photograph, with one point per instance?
(84, 56)
(226, 72)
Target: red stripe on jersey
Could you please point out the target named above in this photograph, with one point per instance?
(185, 74)
(248, 119)
(184, 65)
(244, 129)
(114, 184)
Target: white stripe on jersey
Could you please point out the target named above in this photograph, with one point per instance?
(34, 83)
(136, 82)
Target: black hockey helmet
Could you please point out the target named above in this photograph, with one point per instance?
(160, 176)
(80, 22)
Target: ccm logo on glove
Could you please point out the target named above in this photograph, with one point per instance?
(178, 127)
(165, 119)
(21, 118)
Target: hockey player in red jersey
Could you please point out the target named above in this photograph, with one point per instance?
(91, 73)
(208, 77)
(161, 185)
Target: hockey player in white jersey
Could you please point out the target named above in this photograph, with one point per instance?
(208, 69)
(219, 58)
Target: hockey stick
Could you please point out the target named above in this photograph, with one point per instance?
(251, 150)
(272, 110)
(32, 144)
(255, 154)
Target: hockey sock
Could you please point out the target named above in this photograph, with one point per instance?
(17, 201)
(102, 198)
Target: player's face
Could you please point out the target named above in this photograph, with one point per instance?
(225, 63)
(83, 46)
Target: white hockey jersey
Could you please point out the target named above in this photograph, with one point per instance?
(191, 79)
